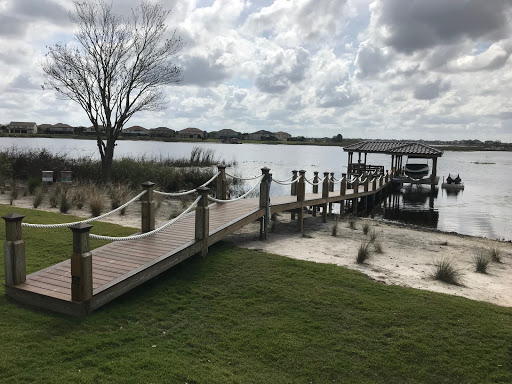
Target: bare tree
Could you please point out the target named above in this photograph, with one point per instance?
(116, 67)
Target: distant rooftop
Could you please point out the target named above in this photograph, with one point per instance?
(408, 148)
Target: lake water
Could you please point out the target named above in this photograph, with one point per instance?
(484, 208)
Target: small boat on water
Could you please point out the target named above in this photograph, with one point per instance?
(416, 170)
(453, 184)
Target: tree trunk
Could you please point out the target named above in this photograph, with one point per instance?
(106, 163)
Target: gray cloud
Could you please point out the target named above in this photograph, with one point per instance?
(370, 60)
(416, 25)
(202, 71)
(336, 96)
(280, 71)
(11, 26)
(41, 10)
(431, 90)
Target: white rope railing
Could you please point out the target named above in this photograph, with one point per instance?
(241, 178)
(283, 181)
(287, 182)
(240, 197)
(146, 234)
(317, 183)
(336, 181)
(61, 225)
(177, 194)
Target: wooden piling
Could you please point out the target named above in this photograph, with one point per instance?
(202, 223)
(147, 208)
(343, 191)
(301, 194)
(325, 195)
(294, 190)
(14, 250)
(355, 186)
(81, 263)
(222, 184)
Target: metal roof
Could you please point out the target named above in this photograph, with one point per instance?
(409, 148)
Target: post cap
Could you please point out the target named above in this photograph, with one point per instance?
(315, 173)
(222, 166)
(302, 171)
(326, 173)
(265, 170)
(81, 227)
(148, 184)
(202, 190)
(295, 171)
(332, 173)
(13, 217)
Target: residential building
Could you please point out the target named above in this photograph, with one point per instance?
(43, 128)
(136, 130)
(260, 135)
(191, 133)
(91, 131)
(225, 134)
(162, 132)
(22, 127)
(282, 136)
(61, 129)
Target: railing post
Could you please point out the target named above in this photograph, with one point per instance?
(387, 177)
(294, 190)
(222, 185)
(81, 263)
(381, 180)
(325, 195)
(343, 191)
(147, 207)
(315, 190)
(14, 250)
(301, 195)
(355, 186)
(203, 219)
(366, 182)
(265, 201)
(331, 182)
(374, 185)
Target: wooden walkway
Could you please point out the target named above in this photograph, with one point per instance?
(121, 266)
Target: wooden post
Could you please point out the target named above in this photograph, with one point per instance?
(374, 185)
(381, 181)
(366, 182)
(294, 190)
(325, 195)
(343, 191)
(265, 201)
(301, 195)
(264, 187)
(81, 263)
(147, 207)
(331, 182)
(222, 185)
(315, 190)
(14, 250)
(203, 220)
(355, 186)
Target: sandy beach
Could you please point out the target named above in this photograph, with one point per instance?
(408, 257)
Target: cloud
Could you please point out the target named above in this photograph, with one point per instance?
(370, 59)
(431, 90)
(11, 26)
(281, 69)
(409, 26)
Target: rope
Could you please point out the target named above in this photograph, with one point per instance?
(176, 194)
(283, 181)
(287, 183)
(143, 235)
(317, 183)
(238, 198)
(241, 178)
(84, 221)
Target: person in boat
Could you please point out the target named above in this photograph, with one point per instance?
(457, 180)
(449, 179)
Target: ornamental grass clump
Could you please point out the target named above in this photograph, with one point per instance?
(352, 222)
(377, 247)
(38, 197)
(481, 262)
(334, 228)
(119, 194)
(366, 228)
(363, 253)
(445, 271)
(96, 201)
(373, 236)
(65, 201)
(79, 195)
(495, 254)
(53, 196)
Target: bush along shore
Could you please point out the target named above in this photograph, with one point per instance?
(170, 174)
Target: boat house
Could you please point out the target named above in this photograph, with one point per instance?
(414, 171)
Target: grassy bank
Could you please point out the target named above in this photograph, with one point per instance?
(244, 316)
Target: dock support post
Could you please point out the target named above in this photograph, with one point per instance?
(202, 224)
(301, 195)
(325, 195)
(81, 263)
(14, 250)
(315, 190)
(331, 189)
(355, 186)
(343, 191)
(222, 185)
(147, 207)
(265, 201)
(294, 190)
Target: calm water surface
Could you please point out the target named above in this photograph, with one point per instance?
(484, 208)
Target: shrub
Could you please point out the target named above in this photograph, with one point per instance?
(334, 228)
(481, 262)
(445, 271)
(352, 222)
(119, 194)
(53, 196)
(495, 254)
(377, 247)
(273, 222)
(373, 236)
(38, 197)
(96, 201)
(33, 184)
(79, 195)
(363, 253)
(366, 228)
(14, 193)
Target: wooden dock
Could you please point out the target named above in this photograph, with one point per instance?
(91, 279)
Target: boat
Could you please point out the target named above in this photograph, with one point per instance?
(416, 170)
(453, 184)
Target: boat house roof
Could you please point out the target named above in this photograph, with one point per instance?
(408, 148)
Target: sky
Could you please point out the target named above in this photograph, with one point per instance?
(382, 69)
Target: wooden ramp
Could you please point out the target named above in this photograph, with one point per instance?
(121, 266)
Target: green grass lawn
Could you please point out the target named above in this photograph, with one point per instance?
(243, 316)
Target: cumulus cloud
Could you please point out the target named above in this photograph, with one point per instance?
(370, 59)
(430, 90)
